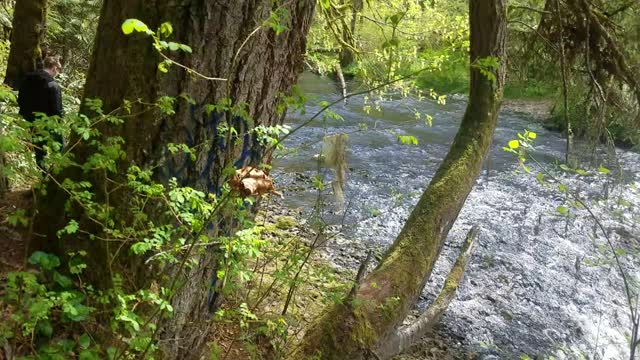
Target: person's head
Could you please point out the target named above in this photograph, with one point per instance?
(51, 64)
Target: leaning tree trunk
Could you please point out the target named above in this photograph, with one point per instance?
(361, 326)
(258, 65)
(29, 28)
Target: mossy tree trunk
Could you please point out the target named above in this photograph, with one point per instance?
(229, 40)
(364, 322)
(29, 28)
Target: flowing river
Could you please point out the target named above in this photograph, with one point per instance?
(539, 283)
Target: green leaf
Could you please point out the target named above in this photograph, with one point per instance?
(540, 178)
(128, 26)
(133, 322)
(62, 280)
(163, 67)
(77, 312)
(603, 170)
(395, 19)
(88, 355)
(77, 265)
(514, 144)
(72, 227)
(166, 29)
(44, 260)
(186, 48)
(408, 140)
(562, 210)
(140, 26)
(582, 172)
(131, 25)
(532, 135)
(173, 46)
(84, 341)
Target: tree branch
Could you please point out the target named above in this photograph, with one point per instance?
(406, 336)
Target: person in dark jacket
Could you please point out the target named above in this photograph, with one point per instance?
(40, 93)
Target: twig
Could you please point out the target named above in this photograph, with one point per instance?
(361, 271)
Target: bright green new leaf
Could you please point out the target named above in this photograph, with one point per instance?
(408, 140)
(532, 135)
(166, 29)
(131, 25)
(128, 26)
(174, 46)
(603, 170)
(514, 144)
(72, 227)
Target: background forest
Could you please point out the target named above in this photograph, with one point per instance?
(247, 180)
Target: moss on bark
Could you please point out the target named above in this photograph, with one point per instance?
(29, 25)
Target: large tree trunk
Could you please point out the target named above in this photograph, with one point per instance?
(125, 67)
(29, 25)
(29, 28)
(364, 322)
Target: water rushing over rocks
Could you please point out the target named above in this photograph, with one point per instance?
(539, 283)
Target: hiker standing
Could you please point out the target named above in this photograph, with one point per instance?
(40, 93)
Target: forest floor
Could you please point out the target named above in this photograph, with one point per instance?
(12, 238)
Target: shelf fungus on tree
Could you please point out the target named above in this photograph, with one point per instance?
(252, 181)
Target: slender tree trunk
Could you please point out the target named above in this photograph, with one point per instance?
(29, 28)
(565, 89)
(347, 56)
(367, 320)
(229, 40)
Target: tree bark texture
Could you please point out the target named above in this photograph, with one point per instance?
(29, 29)
(360, 325)
(29, 25)
(259, 66)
